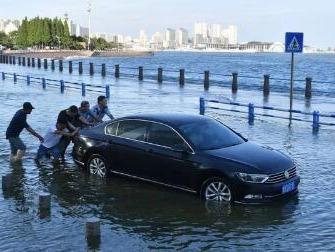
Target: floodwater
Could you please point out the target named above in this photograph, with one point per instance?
(139, 216)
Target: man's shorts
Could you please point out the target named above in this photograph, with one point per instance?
(16, 144)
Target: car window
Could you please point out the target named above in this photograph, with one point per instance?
(111, 128)
(132, 129)
(165, 136)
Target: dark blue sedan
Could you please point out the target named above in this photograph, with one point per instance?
(194, 153)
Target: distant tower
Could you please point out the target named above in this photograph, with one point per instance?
(66, 16)
(89, 23)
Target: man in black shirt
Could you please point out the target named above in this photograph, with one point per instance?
(17, 124)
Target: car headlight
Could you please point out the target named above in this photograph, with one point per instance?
(252, 178)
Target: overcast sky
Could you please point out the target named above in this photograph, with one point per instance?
(261, 20)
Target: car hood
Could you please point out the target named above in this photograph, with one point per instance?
(264, 159)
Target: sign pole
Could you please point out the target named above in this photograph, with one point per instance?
(291, 88)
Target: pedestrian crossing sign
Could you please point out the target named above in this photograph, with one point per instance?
(294, 42)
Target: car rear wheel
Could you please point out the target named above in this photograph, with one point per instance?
(216, 189)
(97, 166)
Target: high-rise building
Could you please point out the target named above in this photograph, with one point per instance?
(170, 38)
(231, 34)
(200, 33)
(182, 37)
(157, 41)
(143, 39)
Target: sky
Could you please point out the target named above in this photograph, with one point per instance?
(257, 20)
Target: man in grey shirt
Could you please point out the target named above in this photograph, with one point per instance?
(100, 110)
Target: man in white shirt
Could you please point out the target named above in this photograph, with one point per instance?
(100, 110)
(51, 140)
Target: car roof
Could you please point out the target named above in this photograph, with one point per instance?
(172, 119)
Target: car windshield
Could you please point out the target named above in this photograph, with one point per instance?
(210, 134)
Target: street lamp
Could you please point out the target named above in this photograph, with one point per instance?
(89, 23)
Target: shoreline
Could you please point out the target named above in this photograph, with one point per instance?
(63, 54)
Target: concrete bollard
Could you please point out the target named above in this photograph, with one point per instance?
(80, 68)
(45, 64)
(181, 77)
(107, 91)
(266, 86)
(60, 65)
(44, 84)
(62, 87)
(140, 73)
(202, 106)
(7, 182)
(251, 113)
(70, 67)
(33, 62)
(3, 76)
(83, 89)
(91, 68)
(93, 229)
(206, 80)
(15, 77)
(234, 86)
(19, 59)
(103, 70)
(28, 62)
(160, 75)
(308, 90)
(44, 201)
(39, 63)
(117, 71)
(24, 61)
(53, 65)
(28, 80)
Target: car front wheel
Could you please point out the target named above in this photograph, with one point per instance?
(97, 165)
(217, 189)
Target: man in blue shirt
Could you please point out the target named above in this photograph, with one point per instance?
(17, 124)
(100, 110)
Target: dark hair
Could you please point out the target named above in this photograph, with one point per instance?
(83, 103)
(101, 98)
(73, 109)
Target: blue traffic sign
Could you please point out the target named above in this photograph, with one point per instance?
(294, 42)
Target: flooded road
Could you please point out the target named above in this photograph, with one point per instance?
(140, 216)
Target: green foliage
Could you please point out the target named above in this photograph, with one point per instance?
(102, 44)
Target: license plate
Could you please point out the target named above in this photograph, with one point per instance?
(288, 187)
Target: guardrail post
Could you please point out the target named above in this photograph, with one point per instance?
(19, 59)
(14, 60)
(7, 59)
(1, 58)
(14, 77)
(10, 60)
(266, 87)
(45, 64)
(28, 80)
(107, 91)
(53, 65)
(206, 80)
(160, 75)
(234, 86)
(39, 63)
(251, 113)
(117, 71)
(83, 89)
(33, 62)
(93, 233)
(60, 65)
(3, 76)
(44, 84)
(24, 61)
(140, 73)
(91, 68)
(80, 68)
(103, 70)
(28, 62)
(202, 106)
(316, 120)
(308, 90)
(181, 77)
(70, 67)
(62, 86)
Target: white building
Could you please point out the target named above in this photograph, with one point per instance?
(170, 38)
(182, 37)
(200, 34)
(143, 39)
(231, 34)
(157, 41)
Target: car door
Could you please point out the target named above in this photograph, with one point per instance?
(130, 143)
(170, 159)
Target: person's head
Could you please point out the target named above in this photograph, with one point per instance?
(85, 106)
(102, 101)
(61, 125)
(27, 107)
(72, 111)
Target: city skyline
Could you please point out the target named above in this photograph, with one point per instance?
(257, 21)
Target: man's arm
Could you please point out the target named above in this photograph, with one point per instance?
(35, 134)
(109, 114)
(84, 121)
(68, 134)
